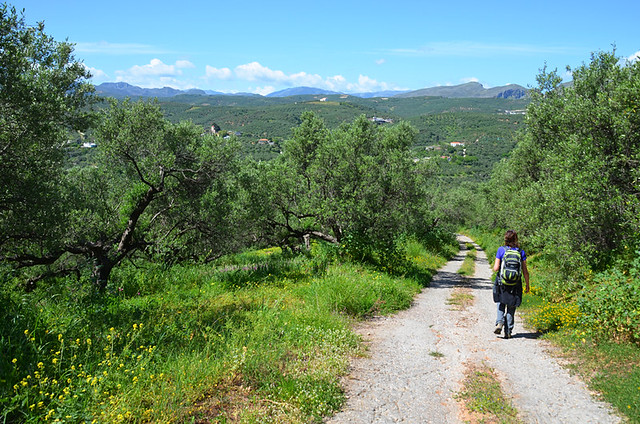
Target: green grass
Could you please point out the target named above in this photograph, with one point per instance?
(612, 369)
(483, 397)
(460, 299)
(257, 336)
(468, 267)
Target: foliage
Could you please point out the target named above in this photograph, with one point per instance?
(553, 316)
(356, 186)
(609, 303)
(262, 333)
(571, 184)
(43, 94)
(162, 189)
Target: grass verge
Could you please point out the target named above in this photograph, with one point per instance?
(468, 267)
(611, 369)
(483, 399)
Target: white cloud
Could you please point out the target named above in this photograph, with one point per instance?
(470, 79)
(264, 90)
(97, 74)
(215, 73)
(366, 84)
(380, 61)
(335, 83)
(634, 57)
(255, 72)
(158, 68)
(184, 64)
(156, 73)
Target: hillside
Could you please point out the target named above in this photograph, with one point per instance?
(486, 126)
(468, 90)
(482, 121)
(471, 90)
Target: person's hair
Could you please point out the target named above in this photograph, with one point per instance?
(511, 239)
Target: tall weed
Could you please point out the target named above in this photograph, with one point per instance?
(256, 335)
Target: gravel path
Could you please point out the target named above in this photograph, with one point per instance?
(417, 360)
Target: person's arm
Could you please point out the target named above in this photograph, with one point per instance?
(525, 272)
(496, 265)
(499, 255)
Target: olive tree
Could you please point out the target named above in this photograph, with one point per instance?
(162, 190)
(573, 182)
(43, 94)
(358, 180)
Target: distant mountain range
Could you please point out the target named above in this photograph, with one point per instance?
(468, 90)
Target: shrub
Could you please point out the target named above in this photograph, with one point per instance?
(553, 316)
(610, 304)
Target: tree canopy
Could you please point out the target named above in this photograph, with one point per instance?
(358, 181)
(43, 94)
(572, 184)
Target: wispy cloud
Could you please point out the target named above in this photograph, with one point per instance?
(469, 79)
(104, 47)
(473, 48)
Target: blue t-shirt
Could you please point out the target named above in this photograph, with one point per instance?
(502, 249)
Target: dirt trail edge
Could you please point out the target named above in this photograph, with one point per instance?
(417, 359)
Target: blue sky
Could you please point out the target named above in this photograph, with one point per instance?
(347, 46)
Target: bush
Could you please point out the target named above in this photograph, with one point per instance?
(610, 304)
(553, 316)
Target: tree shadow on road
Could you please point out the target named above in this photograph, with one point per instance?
(447, 280)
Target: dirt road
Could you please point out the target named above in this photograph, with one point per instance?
(417, 360)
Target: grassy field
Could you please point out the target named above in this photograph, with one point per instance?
(257, 337)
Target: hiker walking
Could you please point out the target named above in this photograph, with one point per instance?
(511, 266)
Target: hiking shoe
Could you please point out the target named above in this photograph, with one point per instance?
(507, 335)
(498, 328)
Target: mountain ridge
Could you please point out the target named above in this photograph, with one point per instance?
(467, 90)
(470, 90)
